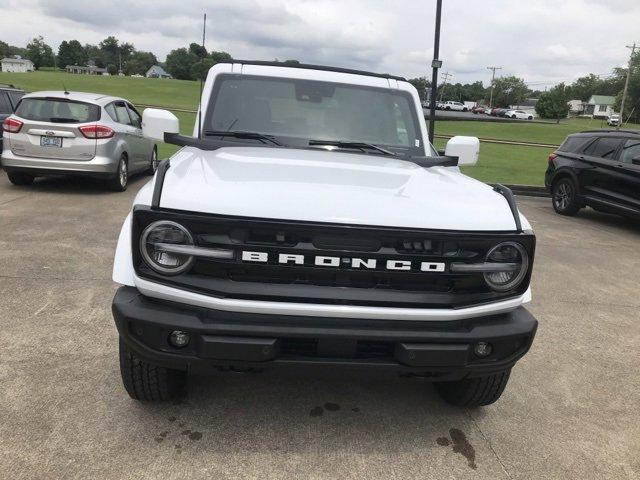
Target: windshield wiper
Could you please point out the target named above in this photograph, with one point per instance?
(239, 134)
(347, 144)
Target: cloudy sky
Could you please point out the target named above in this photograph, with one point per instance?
(544, 41)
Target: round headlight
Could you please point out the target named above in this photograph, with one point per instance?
(162, 234)
(515, 260)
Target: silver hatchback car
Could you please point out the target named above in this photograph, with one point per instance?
(72, 133)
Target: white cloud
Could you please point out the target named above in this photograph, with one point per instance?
(543, 41)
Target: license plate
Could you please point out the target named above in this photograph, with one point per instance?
(51, 141)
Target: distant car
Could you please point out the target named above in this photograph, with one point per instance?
(62, 133)
(518, 114)
(597, 168)
(9, 98)
(613, 120)
(456, 106)
(498, 112)
(479, 109)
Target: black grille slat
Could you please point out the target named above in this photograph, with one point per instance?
(343, 284)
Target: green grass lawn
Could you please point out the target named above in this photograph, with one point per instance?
(498, 163)
(146, 91)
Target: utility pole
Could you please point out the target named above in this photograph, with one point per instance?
(626, 85)
(493, 77)
(436, 63)
(446, 76)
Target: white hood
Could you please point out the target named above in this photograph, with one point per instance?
(333, 187)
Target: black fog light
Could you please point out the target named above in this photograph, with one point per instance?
(482, 349)
(179, 339)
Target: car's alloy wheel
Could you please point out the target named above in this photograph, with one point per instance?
(153, 166)
(564, 197)
(123, 173)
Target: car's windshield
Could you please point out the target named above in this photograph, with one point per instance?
(303, 112)
(57, 110)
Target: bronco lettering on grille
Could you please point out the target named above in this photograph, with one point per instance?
(349, 262)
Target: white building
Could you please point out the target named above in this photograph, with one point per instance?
(600, 106)
(16, 64)
(157, 72)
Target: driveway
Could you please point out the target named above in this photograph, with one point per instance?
(569, 411)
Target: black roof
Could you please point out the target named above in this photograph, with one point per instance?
(624, 131)
(314, 67)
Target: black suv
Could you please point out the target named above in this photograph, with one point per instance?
(599, 168)
(9, 98)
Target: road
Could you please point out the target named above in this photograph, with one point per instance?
(569, 411)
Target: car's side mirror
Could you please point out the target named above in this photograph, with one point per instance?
(466, 149)
(156, 122)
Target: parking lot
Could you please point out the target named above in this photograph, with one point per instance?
(570, 410)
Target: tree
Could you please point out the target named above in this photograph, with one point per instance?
(509, 91)
(179, 63)
(40, 53)
(554, 103)
(632, 103)
(198, 50)
(94, 54)
(71, 53)
(139, 63)
(7, 50)
(218, 57)
(421, 84)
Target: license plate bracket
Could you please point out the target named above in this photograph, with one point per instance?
(55, 142)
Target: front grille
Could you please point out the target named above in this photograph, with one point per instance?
(345, 283)
(313, 348)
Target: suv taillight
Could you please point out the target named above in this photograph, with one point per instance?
(11, 125)
(97, 131)
(552, 157)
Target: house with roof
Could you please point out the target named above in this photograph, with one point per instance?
(599, 106)
(89, 69)
(16, 64)
(157, 72)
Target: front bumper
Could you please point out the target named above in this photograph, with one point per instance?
(442, 350)
(98, 166)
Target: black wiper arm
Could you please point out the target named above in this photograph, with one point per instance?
(347, 144)
(239, 134)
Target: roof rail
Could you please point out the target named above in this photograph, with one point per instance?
(608, 130)
(314, 67)
(7, 85)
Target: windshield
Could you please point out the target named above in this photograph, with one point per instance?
(57, 110)
(303, 112)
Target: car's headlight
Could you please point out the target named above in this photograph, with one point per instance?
(512, 263)
(162, 245)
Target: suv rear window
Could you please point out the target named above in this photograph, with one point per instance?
(573, 144)
(57, 110)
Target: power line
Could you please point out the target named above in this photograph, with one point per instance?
(493, 77)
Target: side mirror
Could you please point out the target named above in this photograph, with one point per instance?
(156, 122)
(466, 149)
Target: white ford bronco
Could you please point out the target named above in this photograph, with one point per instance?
(308, 221)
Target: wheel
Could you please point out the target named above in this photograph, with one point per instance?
(474, 392)
(513, 116)
(447, 108)
(465, 109)
(153, 166)
(563, 197)
(147, 382)
(529, 117)
(121, 179)
(19, 178)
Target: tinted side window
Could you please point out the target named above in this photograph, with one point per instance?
(630, 150)
(122, 116)
(603, 147)
(136, 119)
(573, 144)
(5, 105)
(15, 97)
(111, 110)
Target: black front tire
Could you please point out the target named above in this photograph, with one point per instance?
(153, 166)
(119, 182)
(147, 382)
(563, 197)
(474, 392)
(19, 178)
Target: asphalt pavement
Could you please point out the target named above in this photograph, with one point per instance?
(570, 410)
